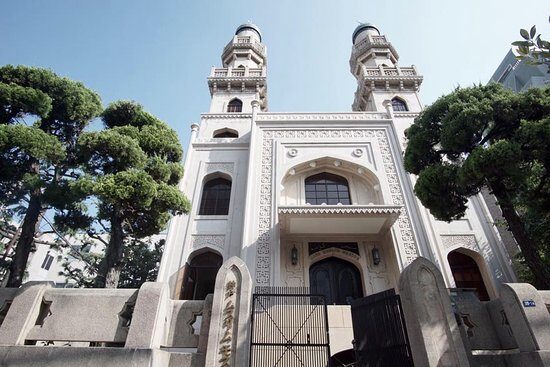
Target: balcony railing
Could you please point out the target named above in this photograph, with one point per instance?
(386, 71)
(237, 72)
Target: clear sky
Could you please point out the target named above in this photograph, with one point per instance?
(159, 52)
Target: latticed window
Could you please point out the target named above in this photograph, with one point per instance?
(326, 188)
(216, 195)
(235, 105)
(399, 105)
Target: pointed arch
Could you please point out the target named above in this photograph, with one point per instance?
(199, 276)
(225, 133)
(467, 272)
(399, 105)
(235, 105)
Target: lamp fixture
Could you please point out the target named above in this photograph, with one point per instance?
(376, 255)
(294, 255)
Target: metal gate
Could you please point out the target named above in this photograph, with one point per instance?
(289, 328)
(379, 331)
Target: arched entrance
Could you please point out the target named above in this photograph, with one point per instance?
(466, 274)
(199, 276)
(337, 279)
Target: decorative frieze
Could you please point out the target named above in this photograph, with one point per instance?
(207, 240)
(341, 209)
(321, 116)
(456, 240)
(212, 167)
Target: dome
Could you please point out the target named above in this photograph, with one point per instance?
(360, 28)
(249, 26)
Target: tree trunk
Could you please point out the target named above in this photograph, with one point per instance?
(111, 264)
(25, 242)
(525, 242)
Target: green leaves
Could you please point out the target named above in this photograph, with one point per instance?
(534, 49)
(22, 144)
(474, 136)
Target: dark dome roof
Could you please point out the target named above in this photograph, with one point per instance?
(361, 27)
(251, 26)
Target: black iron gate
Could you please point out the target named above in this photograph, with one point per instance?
(289, 328)
(379, 331)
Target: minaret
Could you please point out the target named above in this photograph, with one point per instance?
(379, 79)
(242, 78)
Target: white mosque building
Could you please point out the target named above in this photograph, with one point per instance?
(318, 200)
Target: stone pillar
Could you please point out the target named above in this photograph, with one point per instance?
(527, 315)
(228, 339)
(150, 316)
(433, 332)
(23, 313)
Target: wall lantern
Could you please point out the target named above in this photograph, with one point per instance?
(376, 255)
(294, 255)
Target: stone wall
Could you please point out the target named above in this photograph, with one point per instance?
(513, 330)
(45, 326)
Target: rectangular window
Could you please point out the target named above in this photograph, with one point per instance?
(47, 262)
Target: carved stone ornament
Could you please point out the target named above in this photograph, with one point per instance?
(212, 167)
(293, 152)
(358, 152)
(464, 240)
(207, 240)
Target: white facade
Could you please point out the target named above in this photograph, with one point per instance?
(269, 223)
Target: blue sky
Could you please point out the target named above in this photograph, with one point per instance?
(159, 53)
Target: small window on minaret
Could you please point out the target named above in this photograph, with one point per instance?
(235, 105)
(399, 105)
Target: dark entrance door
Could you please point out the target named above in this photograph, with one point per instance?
(338, 280)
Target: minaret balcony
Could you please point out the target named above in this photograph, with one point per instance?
(383, 77)
(337, 219)
(243, 42)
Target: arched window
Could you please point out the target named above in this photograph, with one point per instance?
(199, 276)
(226, 133)
(215, 197)
(399, 105)
(235, 105)
(466, 274)
(326, 188)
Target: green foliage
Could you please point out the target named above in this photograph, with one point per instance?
(132, 169)
(140, 263)
(533, 48)
(41, 117)
(486, 136)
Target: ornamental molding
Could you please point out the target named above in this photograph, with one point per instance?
(229, 115)
(212, 167)
(321, 116)
(341, 209)
(217, 79)
(393, 77)
(264, 213)
(460, 240)
(406, 114)
(207, 240)
(221, 142)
